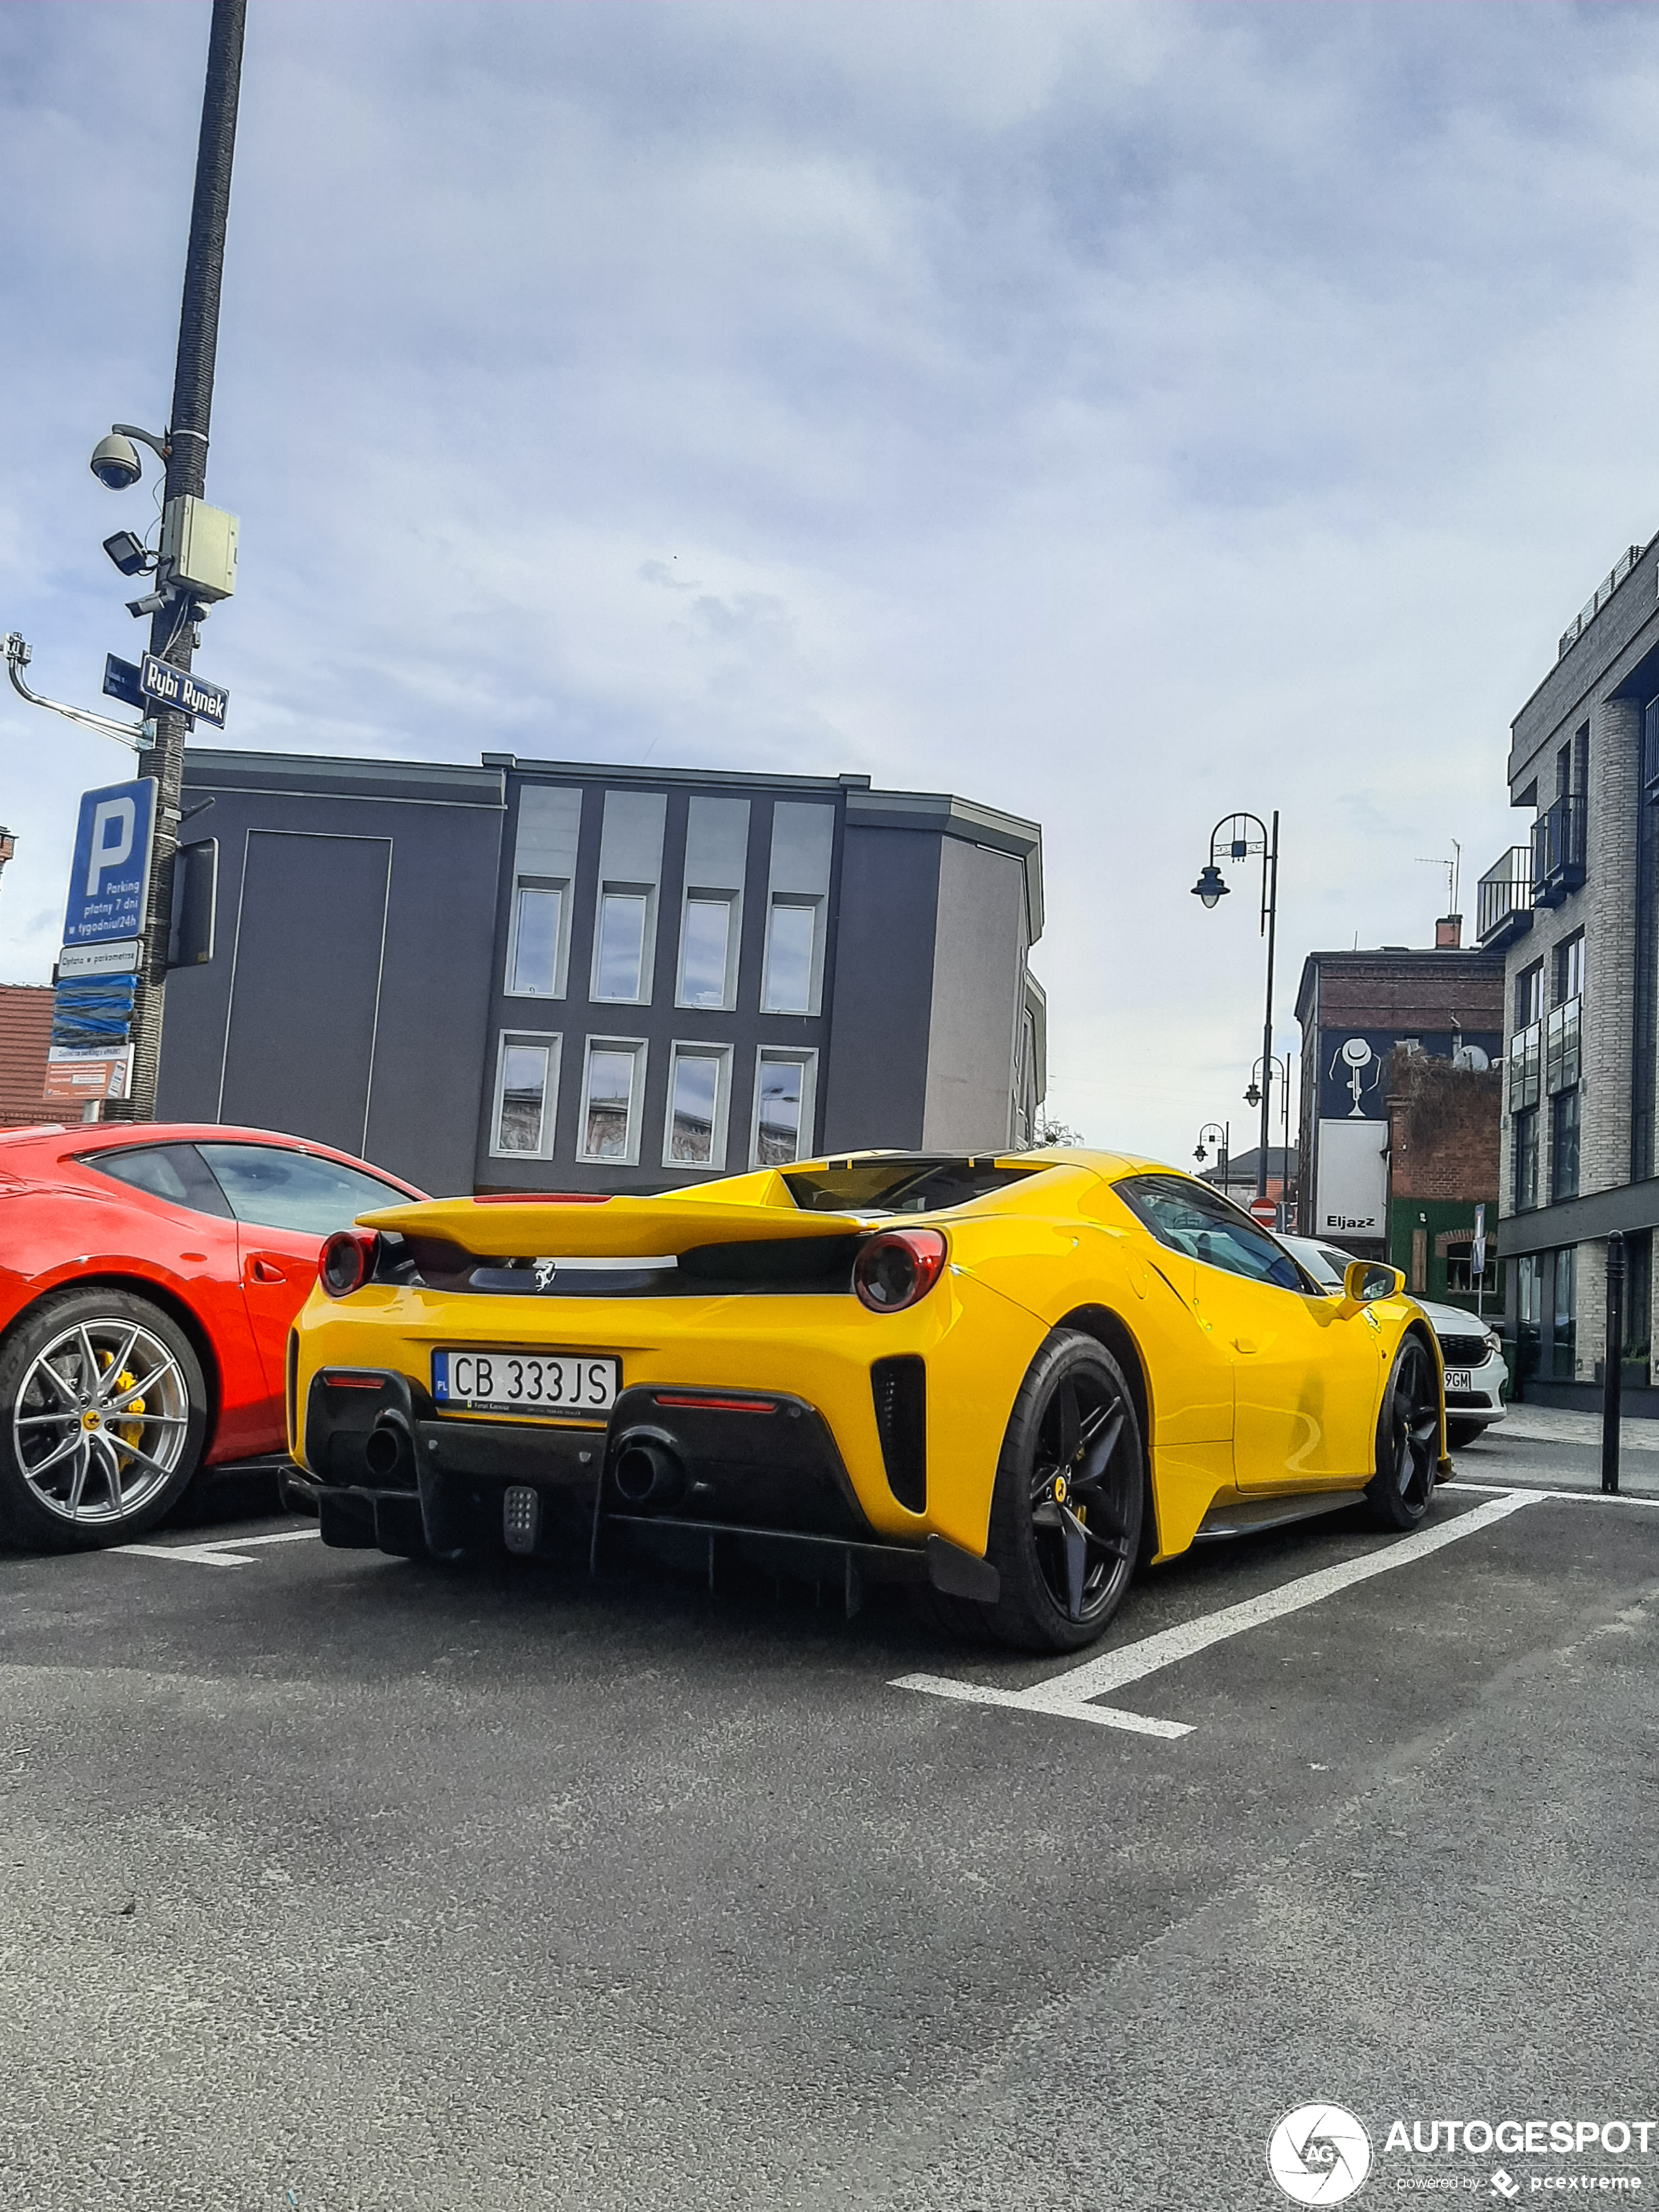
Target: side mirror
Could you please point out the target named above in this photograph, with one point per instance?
(1365, 1281)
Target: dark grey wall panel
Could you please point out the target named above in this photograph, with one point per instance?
(875, 1087)
(432, 1035)
(306, 985)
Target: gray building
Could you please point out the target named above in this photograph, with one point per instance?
(539, 975)
(1573, 906)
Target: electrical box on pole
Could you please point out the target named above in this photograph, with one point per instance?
(199, 541)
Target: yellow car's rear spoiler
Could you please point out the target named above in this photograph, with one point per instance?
(746, 1209)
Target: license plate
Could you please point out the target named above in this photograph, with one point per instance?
(1460, 1378)
(524, 1383)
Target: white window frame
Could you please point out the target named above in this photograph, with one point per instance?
(805, 1057)
(815, 966)
(616, 889)
(631, 1154)
(700, 895)
(696, 1048)
(553, 1040)
(561, 945)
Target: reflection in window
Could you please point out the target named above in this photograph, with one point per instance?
(789, 960)
(704, 946)
(281, 1189)
(607, 1108)
(522, 1114)
(777, 1141)
(696, 1094)
(536, 923)
(620, 965)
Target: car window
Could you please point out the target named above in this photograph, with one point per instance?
(1200, 1223)
(280, 1190)
(176, 1173)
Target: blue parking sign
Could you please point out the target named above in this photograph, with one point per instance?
(110, 875)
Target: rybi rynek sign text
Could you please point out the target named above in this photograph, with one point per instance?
(169, 686)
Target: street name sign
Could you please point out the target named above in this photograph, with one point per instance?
(164, 685)
(109, 875)
(121, 681)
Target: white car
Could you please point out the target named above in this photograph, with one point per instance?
(1472, 1354)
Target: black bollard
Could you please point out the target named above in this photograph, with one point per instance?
(1613, 1363)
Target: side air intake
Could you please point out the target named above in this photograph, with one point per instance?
(899, 1387)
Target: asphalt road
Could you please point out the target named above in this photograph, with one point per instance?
(335, 1881)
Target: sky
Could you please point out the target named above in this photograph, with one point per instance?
(1120, 413)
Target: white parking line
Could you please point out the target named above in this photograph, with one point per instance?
(226, 1552)
(1066, 1695)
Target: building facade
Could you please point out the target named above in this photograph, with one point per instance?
(1574, 908)
(25, 1028)
(1361, 1013)
(539, 975)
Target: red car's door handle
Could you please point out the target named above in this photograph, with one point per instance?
(263, 1272)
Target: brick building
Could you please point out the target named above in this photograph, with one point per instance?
(1443, 1146)
(25, 1024)
(1575, 911)
(1356, 1009)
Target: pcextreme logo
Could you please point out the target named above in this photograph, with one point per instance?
(1319, 2154)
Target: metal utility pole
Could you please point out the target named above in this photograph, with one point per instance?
(172, 630)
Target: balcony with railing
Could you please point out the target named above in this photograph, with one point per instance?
(1558, 851)
(1503, 911)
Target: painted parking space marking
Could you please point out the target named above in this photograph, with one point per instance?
(1068, 1695)
(226, 1551)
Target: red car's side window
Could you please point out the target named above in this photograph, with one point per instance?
(176, 1173)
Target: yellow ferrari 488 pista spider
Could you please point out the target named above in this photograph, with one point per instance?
(1008, 1379)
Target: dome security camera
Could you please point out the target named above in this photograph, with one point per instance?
(115, 462)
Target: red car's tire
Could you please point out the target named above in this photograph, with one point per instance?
(103, 1418)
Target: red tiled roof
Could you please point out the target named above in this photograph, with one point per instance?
(25, 1025)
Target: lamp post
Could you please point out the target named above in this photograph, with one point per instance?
(1243, 835)
(1220, 1134)
(1278, 1067)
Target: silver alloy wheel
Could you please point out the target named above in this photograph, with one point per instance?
(101, 1422)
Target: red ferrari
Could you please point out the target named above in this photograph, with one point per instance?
(149, 1274)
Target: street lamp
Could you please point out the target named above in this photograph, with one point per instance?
(1277, 1069)
(1243, 834)
(1218, 1134)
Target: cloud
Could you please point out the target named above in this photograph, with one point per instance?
(1120, 413)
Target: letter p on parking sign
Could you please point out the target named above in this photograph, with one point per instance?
(109, 876)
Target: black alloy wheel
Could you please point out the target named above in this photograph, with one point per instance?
(1070, 1503)
(1407, 1441)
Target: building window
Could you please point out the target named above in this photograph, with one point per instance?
(699, 1086)
(1569, 970)
(1526, 1062)
(790, 982)
(1563, 1145)
(526, 1092)
(784, 1087)
(619, 944)
(1562, 1331)
(1526, 1160)
(709, 947)
(612, 1084)
(1530, 995)
(535, 952)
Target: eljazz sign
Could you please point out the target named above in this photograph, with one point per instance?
(110, 874)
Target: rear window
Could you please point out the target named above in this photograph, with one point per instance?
(903, 1186)
(175, 1173)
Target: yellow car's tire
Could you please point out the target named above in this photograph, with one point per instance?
(1407, 1441)
(1070, 1501)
